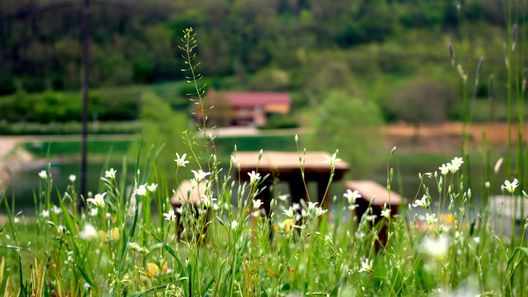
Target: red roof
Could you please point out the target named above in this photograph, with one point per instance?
(245, 99)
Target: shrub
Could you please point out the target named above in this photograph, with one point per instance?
(352, 126)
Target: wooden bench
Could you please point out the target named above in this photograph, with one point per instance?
(186, 194)
(506, 214)
(377, 197)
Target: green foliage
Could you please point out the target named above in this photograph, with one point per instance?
(422, 101)
(162, 129)
(280, 121)
(351, 125)
(54, 128)
(135, 42)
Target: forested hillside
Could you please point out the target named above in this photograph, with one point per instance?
(391, 52)
(135, 41)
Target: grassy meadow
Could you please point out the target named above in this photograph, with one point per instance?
(125, 238)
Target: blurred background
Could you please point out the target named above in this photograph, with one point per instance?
(362, 76)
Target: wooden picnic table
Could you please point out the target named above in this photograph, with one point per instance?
(286, 166)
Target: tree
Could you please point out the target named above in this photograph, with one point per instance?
(352, 126)
(422, 101)
(162, 126)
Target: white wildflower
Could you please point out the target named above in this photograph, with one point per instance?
(435, 247)
(208, 200)
(289, 212)
(444, 169)
(510, 186)
(423, 202)
(234, 224)
(180, 160)
(56, 209)
(111, 173)
(72, 178)
(44, 213)
(366, 266)
(351, 196)
(253, 177)
(312, 205)
(61, 229)
(88, 232)
(332, 160)
(152, 187)
(170, 216)
(283, 197)
(43, 174)
(200, 175)
(257, 203)
(371, 218)
(431, 218)
(94, 212)
(319, 211)
(98, 200)
(386, 212)
(455, 164)
(141, 190)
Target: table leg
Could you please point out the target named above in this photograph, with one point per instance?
(297, 190)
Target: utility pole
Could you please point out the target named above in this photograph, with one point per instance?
(86, 23)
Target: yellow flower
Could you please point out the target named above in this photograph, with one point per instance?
(152, 270)
(102, 235)
(288, 225)
(114, 234)
(165, 267)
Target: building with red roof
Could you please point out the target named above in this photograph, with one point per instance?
(244, 108)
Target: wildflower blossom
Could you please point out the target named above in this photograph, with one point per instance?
(152, 270)
(455, 164)
(234, 224)
(88, 232)
(283, 197)
(435, 247)
(200, 175)
(430, 218)
(111, 173)
(371, 218)
(312, 205)
(510, 186)
(208, 200)
(386, 212)
(93, 212)
(44, 213)
(141, 190)
(366, 266)
(351, 196)
(320, 211)
(253, 177)
(98, 200)
(423, 202)
(56, 209)
(444, 169)
(72, 178)
(43, 174)
(257, 203)
(61, 229)
(180, 160)
(332, 160)
(289, 212)
(170, 216)
(152, 187)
